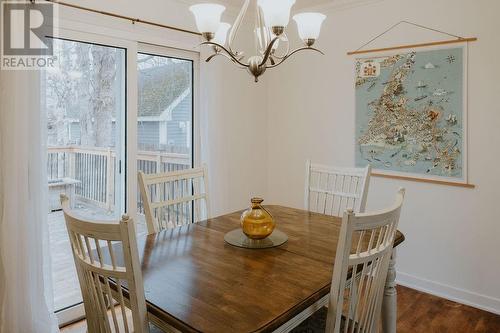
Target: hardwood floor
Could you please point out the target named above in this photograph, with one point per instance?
(419, 313)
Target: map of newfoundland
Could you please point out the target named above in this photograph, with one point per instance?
(409, 113)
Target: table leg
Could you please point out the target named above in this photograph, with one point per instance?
(389, 303)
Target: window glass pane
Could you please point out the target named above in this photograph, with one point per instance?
(84, 98)
(165, 116)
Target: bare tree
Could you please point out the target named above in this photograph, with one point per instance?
(83, 94)
(102, 97)
(60, 86)
(82, 87)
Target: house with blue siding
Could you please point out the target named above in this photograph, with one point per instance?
(165, 107)
(170, 127)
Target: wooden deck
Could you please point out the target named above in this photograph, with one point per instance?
(64, 278)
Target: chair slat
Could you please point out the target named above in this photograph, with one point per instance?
(109, 294)
(121, 300)
(185, 191)
(102, 303)
(182, 200)
(332, 190)
(337, 193)
(173, 176)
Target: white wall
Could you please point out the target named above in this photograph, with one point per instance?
(231, 105)
(235, 145)
(236, 140)
(452, 234)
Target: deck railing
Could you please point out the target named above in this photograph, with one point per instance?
(95, 169)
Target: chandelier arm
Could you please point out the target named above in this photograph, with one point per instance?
(293, 52)
(229, 53)
(287, 49)
(261, 32)
(213, 56)
(237, 24)
(268, 51)
(226, 56)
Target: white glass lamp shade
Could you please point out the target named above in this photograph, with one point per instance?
(221, 34)
(207, 16)
(309, 25)
(276, 12)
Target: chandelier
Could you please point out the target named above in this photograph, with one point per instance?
(272, 19)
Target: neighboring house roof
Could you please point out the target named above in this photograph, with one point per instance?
(160, 90)
(161, 87)
(166, 115)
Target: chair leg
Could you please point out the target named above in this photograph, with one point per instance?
(389, 303)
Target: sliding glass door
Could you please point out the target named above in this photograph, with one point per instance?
(85, 105)
(113, 107)
(165, 118)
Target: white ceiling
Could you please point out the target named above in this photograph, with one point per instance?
(300, 4)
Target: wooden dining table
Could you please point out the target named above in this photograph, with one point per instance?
(195, 282)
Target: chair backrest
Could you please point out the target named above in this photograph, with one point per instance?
(95, 246)
(176, 198)
(361, 265)
(332, 190)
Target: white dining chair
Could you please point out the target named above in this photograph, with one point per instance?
(97, 261)
(331, 190)
(364, 250)
(175, 198)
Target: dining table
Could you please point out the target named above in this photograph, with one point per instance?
(196, 282)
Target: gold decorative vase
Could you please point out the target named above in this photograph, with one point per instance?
(256, 221)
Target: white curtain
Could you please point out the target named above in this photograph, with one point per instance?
(25, 284)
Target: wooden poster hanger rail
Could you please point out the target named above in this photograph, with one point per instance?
(422, 180)
(128, 18)
(457, 39)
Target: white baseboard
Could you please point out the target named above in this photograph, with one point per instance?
(70, 315)
(466, 297)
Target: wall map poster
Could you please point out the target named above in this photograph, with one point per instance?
(411, 113)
